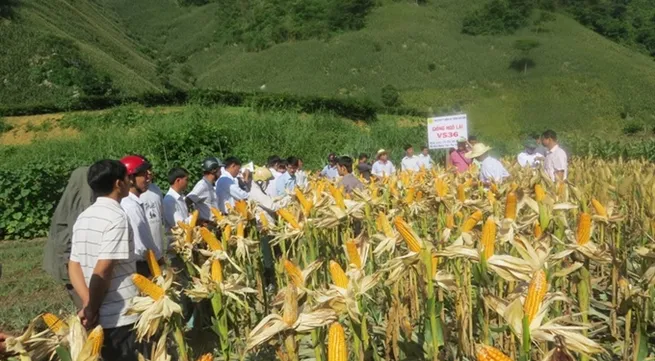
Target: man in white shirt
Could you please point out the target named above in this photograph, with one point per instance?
(556, 162)
(203, 195)
(491, 170)
(102, 262)
(301, 175)
(138, 172)
(410, 161)
(383, 167)
(529, 156)
(152, 204)
(175, 208)
(424, 159)
(286, 183)
(272, 163)
(331, 170)
(227, 186)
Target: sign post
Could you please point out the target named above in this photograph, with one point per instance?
(443, 132)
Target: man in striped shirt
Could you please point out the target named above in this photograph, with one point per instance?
(102, 262)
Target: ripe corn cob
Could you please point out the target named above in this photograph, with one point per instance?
(537, 230)
(337, 343)
(183, 225)
(488, 353)
(393, 189)
(54, 323)
(96, 339)
(599, 208)
(488, 238)
(539, 193)
(153, 265)
(263, 220)
(227, 233)
(435, 264)
(353, 254)
(461, 194)
(241, 229)
(337, 195)
(206, 357)
(410, 196)
(339, 277)
(450, 221)
(294, 273)
(188, 235)
(384, 225)
(440, 187)
(217, 271)
(241, 207)
(491, 197)
(510, 206)
(289, 218)
(419, 196)
(584, 229)
(306, 204)
(493, 188)
(536, 293)
(147, 287)
(218, 216)
(290, 307)
(194, 219)
(413, 242)
(210, 238)
(472, 221)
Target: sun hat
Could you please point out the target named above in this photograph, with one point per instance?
(262, 174)
(462, 140)
(530, 143)
(477, 150)
(380, 152)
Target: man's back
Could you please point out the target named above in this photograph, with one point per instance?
(154, 209)
(102, 232)
(203, 196)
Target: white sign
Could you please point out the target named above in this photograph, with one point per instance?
(443, 132)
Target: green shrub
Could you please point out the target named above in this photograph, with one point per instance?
(498, 17)
(633, 128)
(390, 96)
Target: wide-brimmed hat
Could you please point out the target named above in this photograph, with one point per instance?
(381, 151)
(477, 150)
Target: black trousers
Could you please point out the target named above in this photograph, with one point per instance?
(121, 345)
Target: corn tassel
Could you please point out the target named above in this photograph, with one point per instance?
(153, 265)
(584, 229)
(461, 194)
(536, 293)
(294, 273)
(539, 193)
(147, 287)
(210, 238)
(241, 206)
(94, 341)
(599, 208)
(414, 243)
(241, 229)
(289, 218)
(472, 221)
(218, 216)
(353, 254)
(488, 238)
(510, 206)
(194, 219)
(337, 343)
(304, 202)
(54, 323)
(339, 277)
(488, 353)
(217, 271)
(337, 195)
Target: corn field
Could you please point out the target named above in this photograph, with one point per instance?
(419, 266)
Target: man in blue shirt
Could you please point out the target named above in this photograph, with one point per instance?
(287, 181)
(331, 170)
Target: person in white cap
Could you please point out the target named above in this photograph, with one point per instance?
(383, 167)
(424, 159)
(491, 169)
(410, 161)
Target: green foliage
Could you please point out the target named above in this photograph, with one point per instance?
(498, 17)
(633, 127)
(7, 8)
(4, 126)
(390, 96)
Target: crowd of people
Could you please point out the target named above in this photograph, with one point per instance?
(112, 212)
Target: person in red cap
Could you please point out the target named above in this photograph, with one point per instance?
(139, 175)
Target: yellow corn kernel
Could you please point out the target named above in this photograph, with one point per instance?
(353, 254)
(491, 197)
(289, 218)
(241, 206)
(263, 220)
(472, 221)
(294, 273)
(414, 243)
(94, 341)
(54, 323)
(306, 204)
(488, 238)
(419, 196)
(461, 193)
(337, 195)
(510, 206)
(217, 271)
(410, 196)
(384, 225)
(206, 357)
(537, 230)
(147, 287)
(290, 307)
(459, 215)
(210, 238)
(435, 264)
(241, 229)
(488, 353)
(450, 221)
(227, 233)
(218, 216)
(183, 225)
(153, 265)
(493, 187)
(337, 343)
(393, 189)
(584, 229)
(440, 187)
(339, 277)
(188, 235)
(194, 219)
(536, 293)
(539, 193)
(599, 208)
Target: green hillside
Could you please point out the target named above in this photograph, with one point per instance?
(575, 79)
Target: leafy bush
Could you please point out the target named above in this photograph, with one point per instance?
(633, 128)
(498, 17)
(390, 96)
